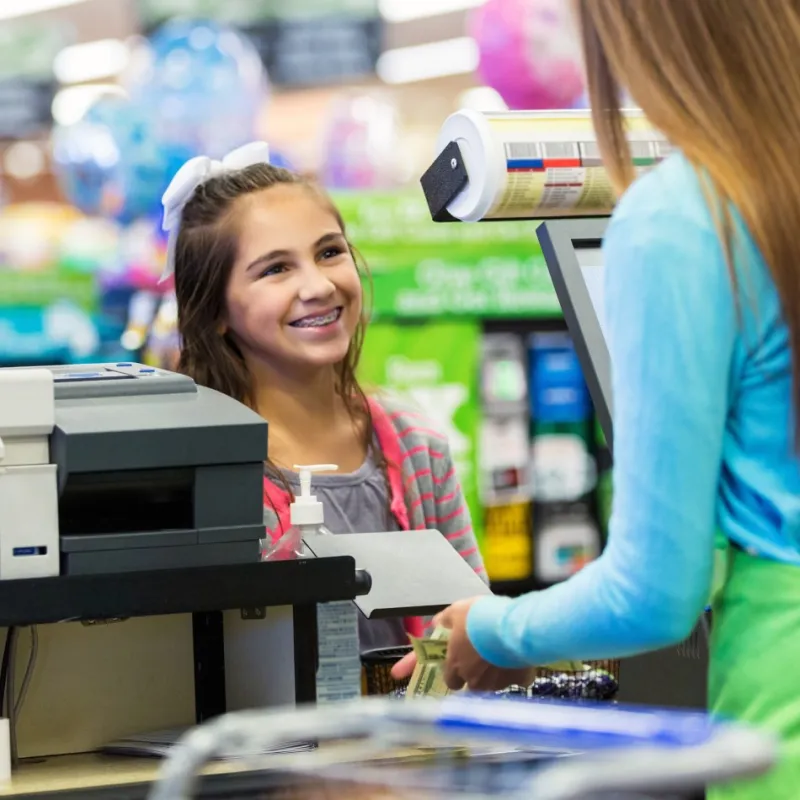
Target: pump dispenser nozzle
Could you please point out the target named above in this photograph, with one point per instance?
(306, 472)
(306, 514)
(306, 509)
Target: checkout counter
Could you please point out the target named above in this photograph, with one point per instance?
(131, 519)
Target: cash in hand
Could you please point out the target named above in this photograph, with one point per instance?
(431, 652)
(428, 677)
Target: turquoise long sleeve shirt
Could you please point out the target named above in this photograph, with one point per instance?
(703, 436)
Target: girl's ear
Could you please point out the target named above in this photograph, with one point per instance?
(222, 328)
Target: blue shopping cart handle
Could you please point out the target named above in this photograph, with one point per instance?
(575, 726)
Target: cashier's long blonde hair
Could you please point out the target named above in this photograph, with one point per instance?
(721, 79)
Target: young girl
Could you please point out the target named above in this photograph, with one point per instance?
(270, 312)
(702, 304)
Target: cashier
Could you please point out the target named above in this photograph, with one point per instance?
(703, 314)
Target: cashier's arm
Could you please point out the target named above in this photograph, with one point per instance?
(671, 331)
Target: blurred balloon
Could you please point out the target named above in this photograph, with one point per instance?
(361, 143)
(203, 84)
(529, 52)
(112, 163)
(85, 155)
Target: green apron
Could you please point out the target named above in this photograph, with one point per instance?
(754, 674)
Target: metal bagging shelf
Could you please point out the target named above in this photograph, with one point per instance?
(472, 747)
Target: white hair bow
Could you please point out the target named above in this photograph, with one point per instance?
(192, 174)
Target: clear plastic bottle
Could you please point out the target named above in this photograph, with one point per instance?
(339, 670)
(307, 516)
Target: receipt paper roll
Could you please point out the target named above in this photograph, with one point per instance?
(531, 164)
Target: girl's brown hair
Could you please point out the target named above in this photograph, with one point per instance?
(205, 251)
(720, 80)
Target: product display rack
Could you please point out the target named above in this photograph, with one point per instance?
(544, 513)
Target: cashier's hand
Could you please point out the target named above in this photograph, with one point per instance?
(464, 667)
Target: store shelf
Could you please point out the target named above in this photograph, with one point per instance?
(38, 601)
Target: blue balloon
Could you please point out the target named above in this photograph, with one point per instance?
(111, 162)
(84, 155)
(204, 85)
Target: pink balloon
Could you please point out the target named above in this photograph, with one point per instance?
(529, 52)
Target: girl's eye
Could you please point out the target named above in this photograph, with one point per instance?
(275, 269)
(331, 252)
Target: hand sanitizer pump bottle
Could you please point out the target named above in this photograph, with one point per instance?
(306, 514)
(339, 670)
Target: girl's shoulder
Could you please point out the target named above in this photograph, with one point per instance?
(399, 423)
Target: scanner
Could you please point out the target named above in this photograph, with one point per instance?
(124, 467)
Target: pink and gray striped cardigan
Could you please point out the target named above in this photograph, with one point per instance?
(424, 489)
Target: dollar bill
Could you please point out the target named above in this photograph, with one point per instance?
(427, 681)
(433, 650)
(431, 653)
(428, 677)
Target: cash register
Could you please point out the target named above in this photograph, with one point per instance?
(112, 468)
(130, 494)
(122, 467)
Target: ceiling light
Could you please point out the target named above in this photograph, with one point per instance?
(70, 104)
(407, 10)
(24, 160)
(79, 63)
(425, 61)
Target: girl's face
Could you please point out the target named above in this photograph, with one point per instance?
(294, 295)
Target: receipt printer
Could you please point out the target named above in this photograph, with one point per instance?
(124, 467)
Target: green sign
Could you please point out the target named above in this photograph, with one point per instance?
(39, 289)
(433, 368)
(248, 12)
(421, 268)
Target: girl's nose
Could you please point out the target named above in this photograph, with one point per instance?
(315, 284)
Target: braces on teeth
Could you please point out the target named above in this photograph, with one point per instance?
(317, 322)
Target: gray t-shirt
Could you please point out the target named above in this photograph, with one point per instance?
(358, 503)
